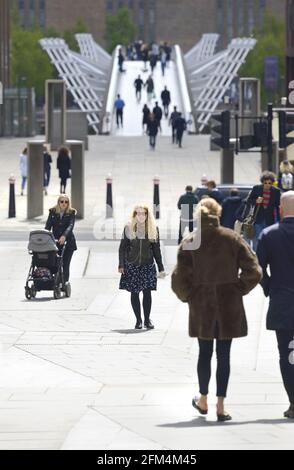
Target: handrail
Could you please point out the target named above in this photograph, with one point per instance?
(112, 90)
(183, 87)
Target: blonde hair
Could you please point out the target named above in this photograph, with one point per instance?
(68, 207)
(286, 166)
(150, 224)
(208, 206)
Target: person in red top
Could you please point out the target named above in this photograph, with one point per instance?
(265, 199)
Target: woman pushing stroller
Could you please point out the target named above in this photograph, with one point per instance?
(61, 221)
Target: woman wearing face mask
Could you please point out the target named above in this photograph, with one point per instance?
(139, 247)
(61, 221)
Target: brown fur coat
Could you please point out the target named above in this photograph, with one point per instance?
(213, 279)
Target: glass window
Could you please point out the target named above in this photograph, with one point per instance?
(42, 17)
(262, 8)
(31, 13)
(230, 19)
(219, 16)
(109, 6)
(21, 11)
(250, 15)
(240, 18)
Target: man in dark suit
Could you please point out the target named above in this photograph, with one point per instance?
(187, 204)
(265, 199)
(276, 249)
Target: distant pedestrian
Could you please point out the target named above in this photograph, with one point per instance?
(214, 192)
(146, 114)
(153, 62)
(275, 251)
(230, 208)
(144, 52)
(166, 99)
(119, 105)
(152, 129)
(163, 58)
(202, 189)
(212, 277)
(172, 122)
(149, 84)
(121, 60)
(64, 166)
(139, 247)
(167, 50)
(181, 126)
(47, 169)
(157, 111)
(23, 166)
(138, 86)
(286, 176)
(187, 204)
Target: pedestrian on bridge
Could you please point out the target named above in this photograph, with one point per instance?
(138, 83)
(158, 114)
(47, 168)
(146, 114)
(163, 58)
(172, 122)
(180, 126)
(119, 105)
(215, 269)
(121, 59)
(149, 84)
(139, 247)
(275, 250)
(166, 99)
(152, 130)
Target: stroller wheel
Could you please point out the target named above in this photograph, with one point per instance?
(67, 289)
(28, 293)
(57, 293)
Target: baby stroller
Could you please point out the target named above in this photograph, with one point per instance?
(46, 270)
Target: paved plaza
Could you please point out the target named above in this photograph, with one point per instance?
(74, 372)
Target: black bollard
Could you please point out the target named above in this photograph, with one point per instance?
(11, 208)
(156, 202)
(109, 204)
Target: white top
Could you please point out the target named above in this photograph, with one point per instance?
(23, 165)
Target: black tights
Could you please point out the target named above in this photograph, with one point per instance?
(147, 302)
(223, 348)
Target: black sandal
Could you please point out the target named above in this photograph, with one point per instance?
(224, 417)
(197, 407)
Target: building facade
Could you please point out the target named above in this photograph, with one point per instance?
(4, 43)
(175, 21)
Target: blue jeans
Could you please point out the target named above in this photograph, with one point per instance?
(258, 229)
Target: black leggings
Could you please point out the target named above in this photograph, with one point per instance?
(223, 348)
(147, 302)
(66, 263)
(284, 338)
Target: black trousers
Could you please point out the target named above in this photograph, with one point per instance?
(67, 256)
(180, 137)
(284, 338)
(147, 302)
(174, 135)
(152, 140)
(119, 116)
(63, 181)
(223, 348)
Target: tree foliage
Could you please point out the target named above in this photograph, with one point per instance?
(270, 42)
(30, 64)
(119, 29)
